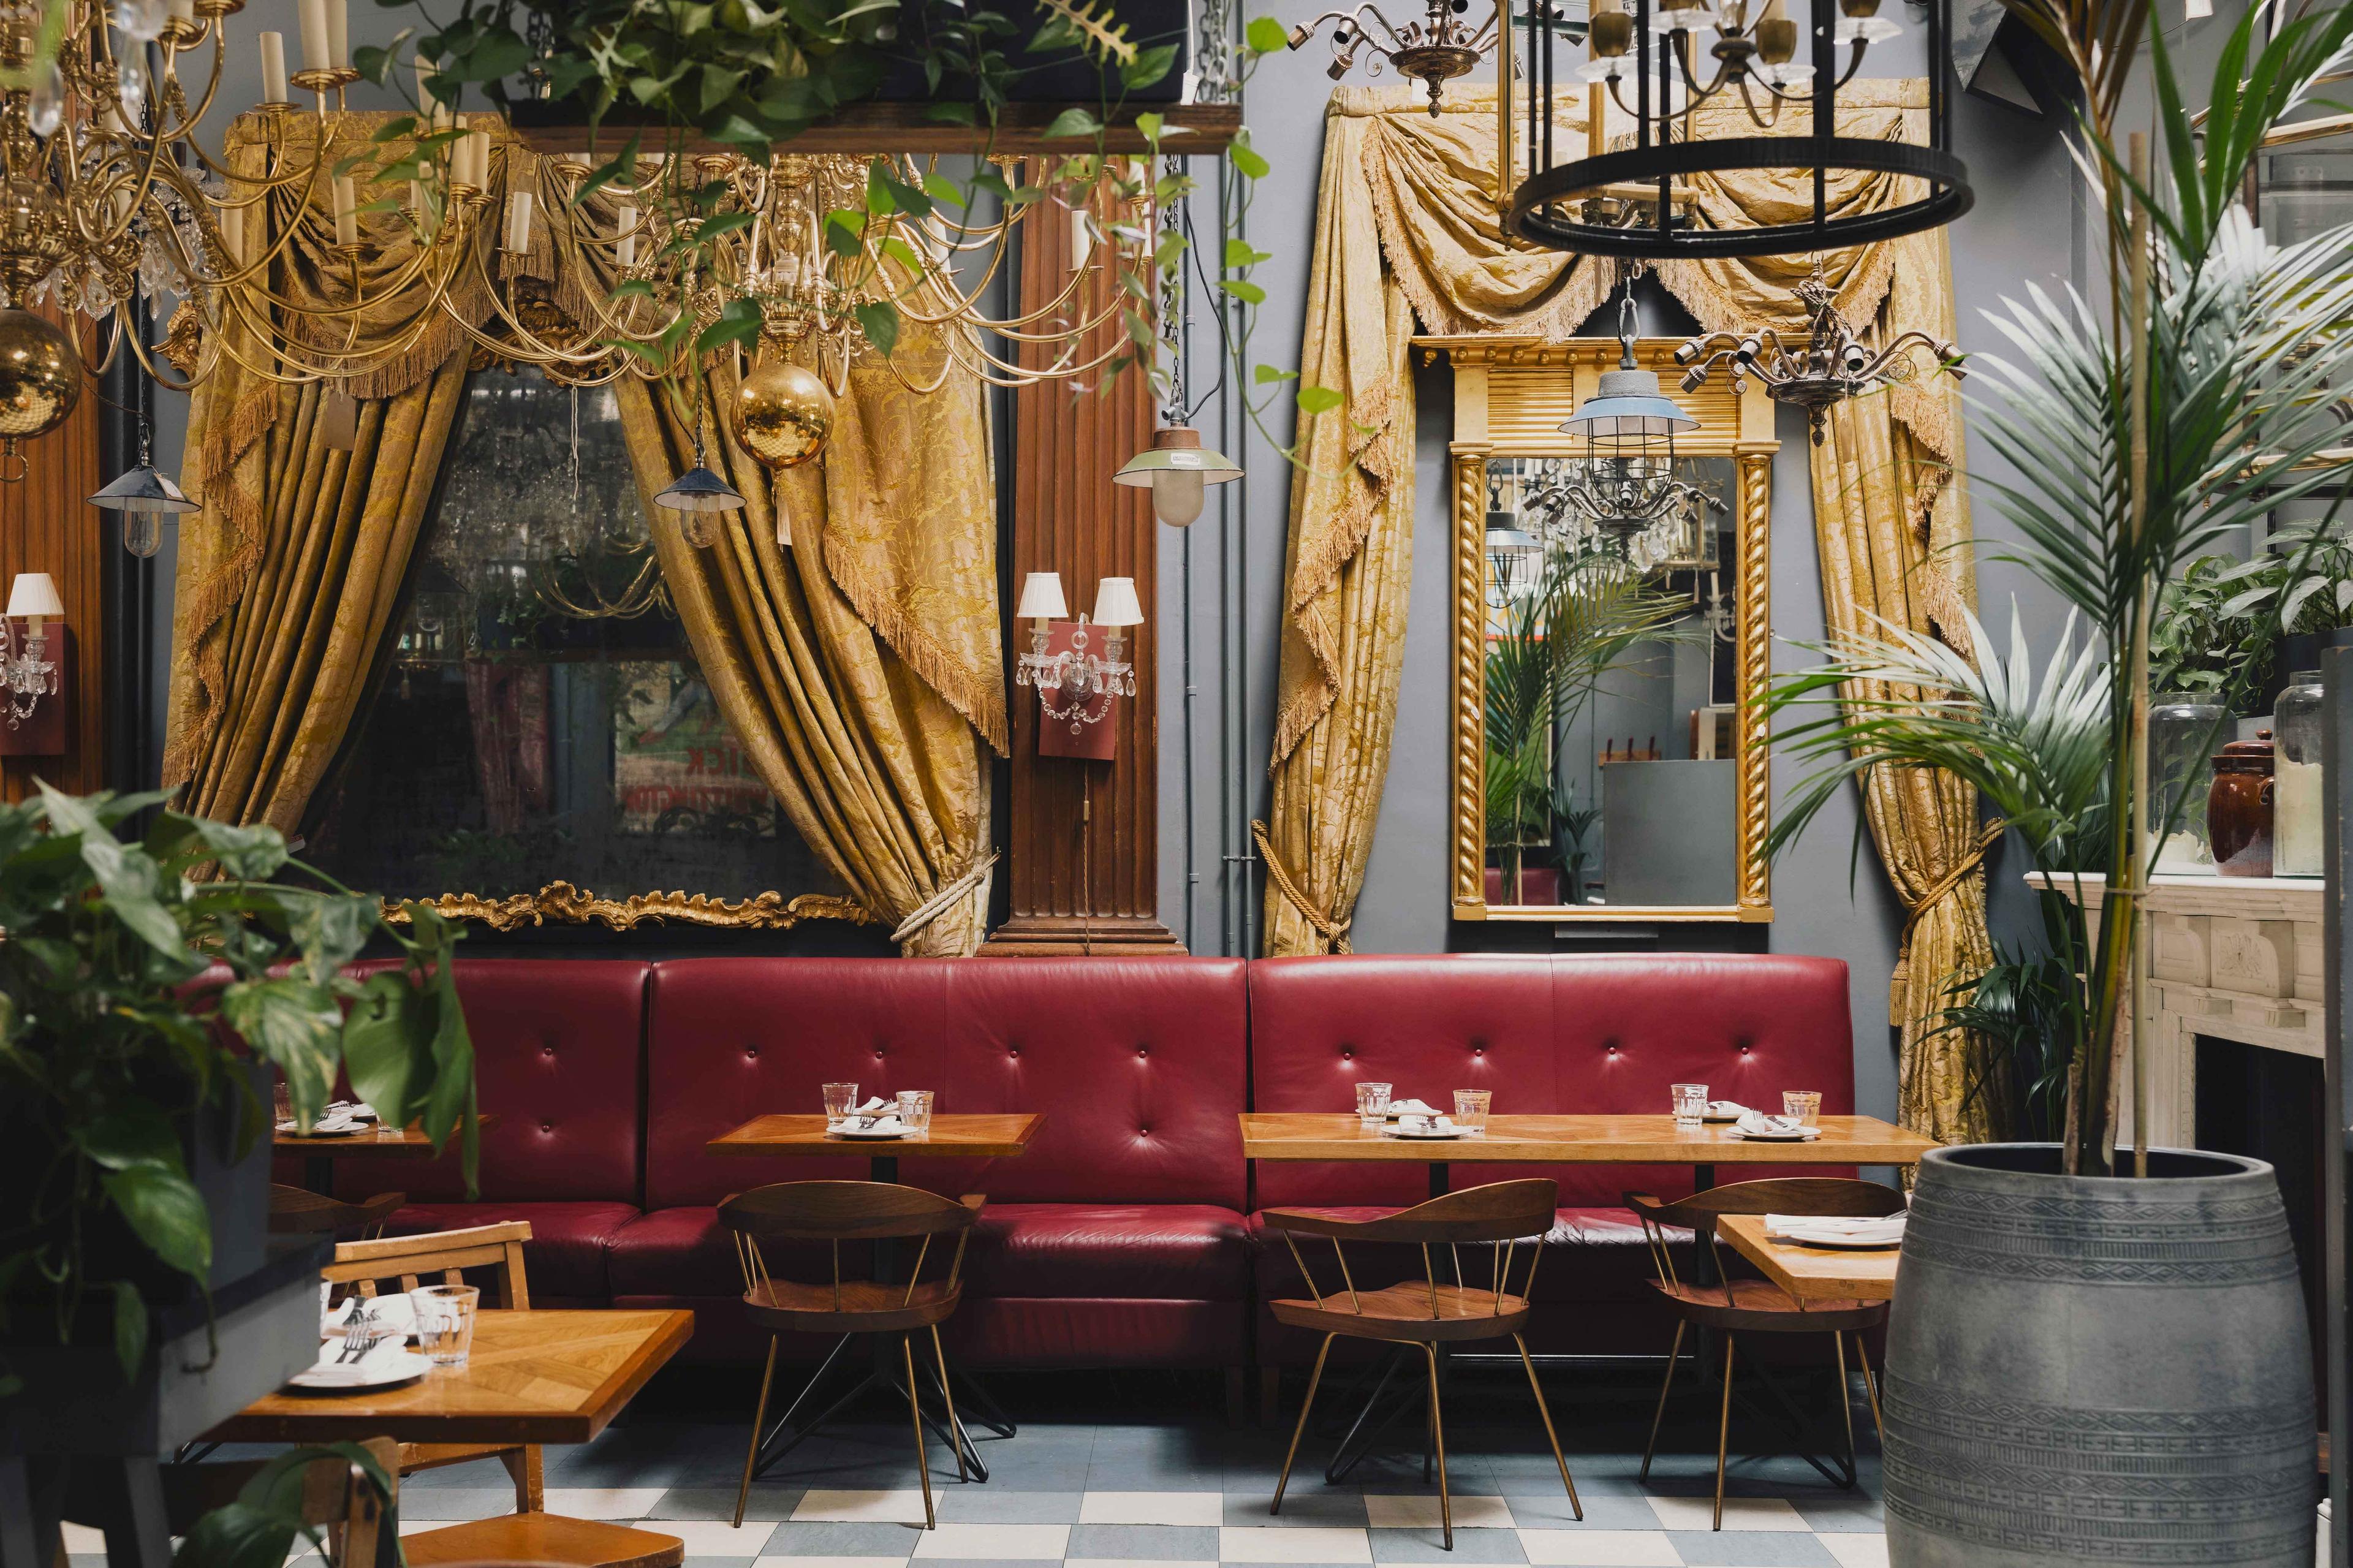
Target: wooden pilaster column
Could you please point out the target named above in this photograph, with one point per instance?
(1083, 860)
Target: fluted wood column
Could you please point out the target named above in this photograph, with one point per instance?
(46, 526)
(1083, 872)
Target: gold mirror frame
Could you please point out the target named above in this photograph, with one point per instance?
(1510, 395)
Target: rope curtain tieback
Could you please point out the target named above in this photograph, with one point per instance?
(939, 904)
(1948, 881)
(1331, 930)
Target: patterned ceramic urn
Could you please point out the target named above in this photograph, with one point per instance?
(2090, 1371)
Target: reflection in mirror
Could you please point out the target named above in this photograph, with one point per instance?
(542, 717)
(1611, 685)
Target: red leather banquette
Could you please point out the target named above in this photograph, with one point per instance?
(1124, 1235)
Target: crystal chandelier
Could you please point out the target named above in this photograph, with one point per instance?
(1658, 61)
(105, 192)
(1830, 363)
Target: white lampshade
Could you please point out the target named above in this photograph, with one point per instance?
(1115, 603)
(1041, 598)
(34, 594)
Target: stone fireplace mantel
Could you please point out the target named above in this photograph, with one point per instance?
(2233, 958)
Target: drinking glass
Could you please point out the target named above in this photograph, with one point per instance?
(839, 1100)
(1691, 1104)
(282, 1101)
(445, 1322)
(1372, 1104)
(1802, 1106)
(915, 1109)
(1470, 1109)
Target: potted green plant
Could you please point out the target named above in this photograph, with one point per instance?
(151, 990)
(2100, 1355)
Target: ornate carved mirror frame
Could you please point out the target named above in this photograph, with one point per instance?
(1510, 395)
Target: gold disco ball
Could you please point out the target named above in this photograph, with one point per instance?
(783, 413)
(40, 376)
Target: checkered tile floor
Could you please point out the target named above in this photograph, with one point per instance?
(1189, 1491)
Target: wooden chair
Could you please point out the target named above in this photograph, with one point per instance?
(1733, 1307)
(297, 1211)
(336, 1495)
(528, 1534)
(833, 1213)
(1424, 1313)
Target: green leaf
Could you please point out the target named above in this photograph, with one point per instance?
(845, 232)
(605, 173)
(1246, 159)
(1148, 67)
(372, 62)
(295, 1024)
(1266, 374)
(1239, 254)
(394, 129)
(331, 928)
(1073, 121)
(164, 1210)
(880, 321)
(943, 191)
(951, 113)
(130, 1329)
(387, 1045)
(133, 1132)
(1148, 126)
(1242, 289)
(251, 853)
(495, 55)
(1316, 400)
(1265, 36)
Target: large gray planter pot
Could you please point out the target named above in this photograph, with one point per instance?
(2088, 1370)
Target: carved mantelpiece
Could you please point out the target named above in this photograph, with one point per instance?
(2236, 958)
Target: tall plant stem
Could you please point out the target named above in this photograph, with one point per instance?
(2138, 155)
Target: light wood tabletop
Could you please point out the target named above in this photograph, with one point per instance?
(397, 1142)
(1579, 1139)
(1811, 1273)
(551, 1376)
(966, 1137)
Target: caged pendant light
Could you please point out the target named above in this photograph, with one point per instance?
(1748, 62)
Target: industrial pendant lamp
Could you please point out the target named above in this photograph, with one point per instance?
(1624, 482)
(1178, 468)
(143, 497)
(1659, 61)
(699, 496)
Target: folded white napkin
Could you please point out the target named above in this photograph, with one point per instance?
(1798, 1226)
(395, 1316)
(872, 1106)
(1411, 1108)
(1726, 1107)
(1430, 1122)
(329, 1373)
(886, 1124)
(1756, 1124)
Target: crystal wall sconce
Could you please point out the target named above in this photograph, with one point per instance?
(32, 666)
(1078, 684)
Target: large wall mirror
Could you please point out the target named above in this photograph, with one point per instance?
(1607, 763)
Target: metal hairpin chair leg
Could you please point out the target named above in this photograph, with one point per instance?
(1674, 1355)
(1438, 1439)
(1300, 1430)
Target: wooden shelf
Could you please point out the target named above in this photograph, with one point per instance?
(1205, 129)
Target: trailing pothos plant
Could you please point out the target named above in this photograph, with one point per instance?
(655, 73)
(113, 1045)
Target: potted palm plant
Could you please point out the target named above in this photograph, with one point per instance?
(2099, 1355)
(151, 989)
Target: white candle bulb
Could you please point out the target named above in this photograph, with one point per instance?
(347, 221)
(182, 10)
(628, 224)
(339, 33)
(314, 13)
(426, 101)
(462, 153)
(518, 221)
(232, 231)
(273, 68)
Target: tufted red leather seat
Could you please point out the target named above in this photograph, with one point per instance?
(1117, 1236)
(1549, 1036)
(558, 1059)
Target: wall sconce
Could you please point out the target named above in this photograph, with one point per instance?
(1076, 684)
(27, 670)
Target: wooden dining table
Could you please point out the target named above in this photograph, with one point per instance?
(1812, 1273)
(318, 1152)
(964, 1136)
(1631, 1139)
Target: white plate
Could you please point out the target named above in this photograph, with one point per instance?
(1449, 1132)
(869, 1134)
(1832, 1243)
(381, 1372)
(1772, 1137)
(322, 1129)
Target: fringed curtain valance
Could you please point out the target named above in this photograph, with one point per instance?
(861, 667)
(1405, 228)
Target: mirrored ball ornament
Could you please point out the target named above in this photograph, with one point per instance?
(784, 414)
(40, 376)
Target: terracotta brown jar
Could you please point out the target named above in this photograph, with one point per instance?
(2239, 808)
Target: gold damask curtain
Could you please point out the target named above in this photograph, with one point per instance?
(1405, 228)
(289, 574)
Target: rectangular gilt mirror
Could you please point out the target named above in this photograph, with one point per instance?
(1607, 764)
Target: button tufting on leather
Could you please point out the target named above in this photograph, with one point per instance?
(547, 1127)
(1013, 1050)
(1478, 1051)
(1143, 1051)
(750, 1051)
(1347, 1055)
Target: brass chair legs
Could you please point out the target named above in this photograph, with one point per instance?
(1673, 1355)
(1871, 1387)
(1552, 1436)
(1437, 1437)
(956, 1433)
(759, 1420)
(1724, 1430)
(1845, 1396)
(1297, 1432)
(915, 1409)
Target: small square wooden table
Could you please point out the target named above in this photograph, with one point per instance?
(948, 1137)
(318, 1154)
(1812, 1273)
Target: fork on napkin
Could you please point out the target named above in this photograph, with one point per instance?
(877, 1115)
(1756, 1124)
(394, 1316)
